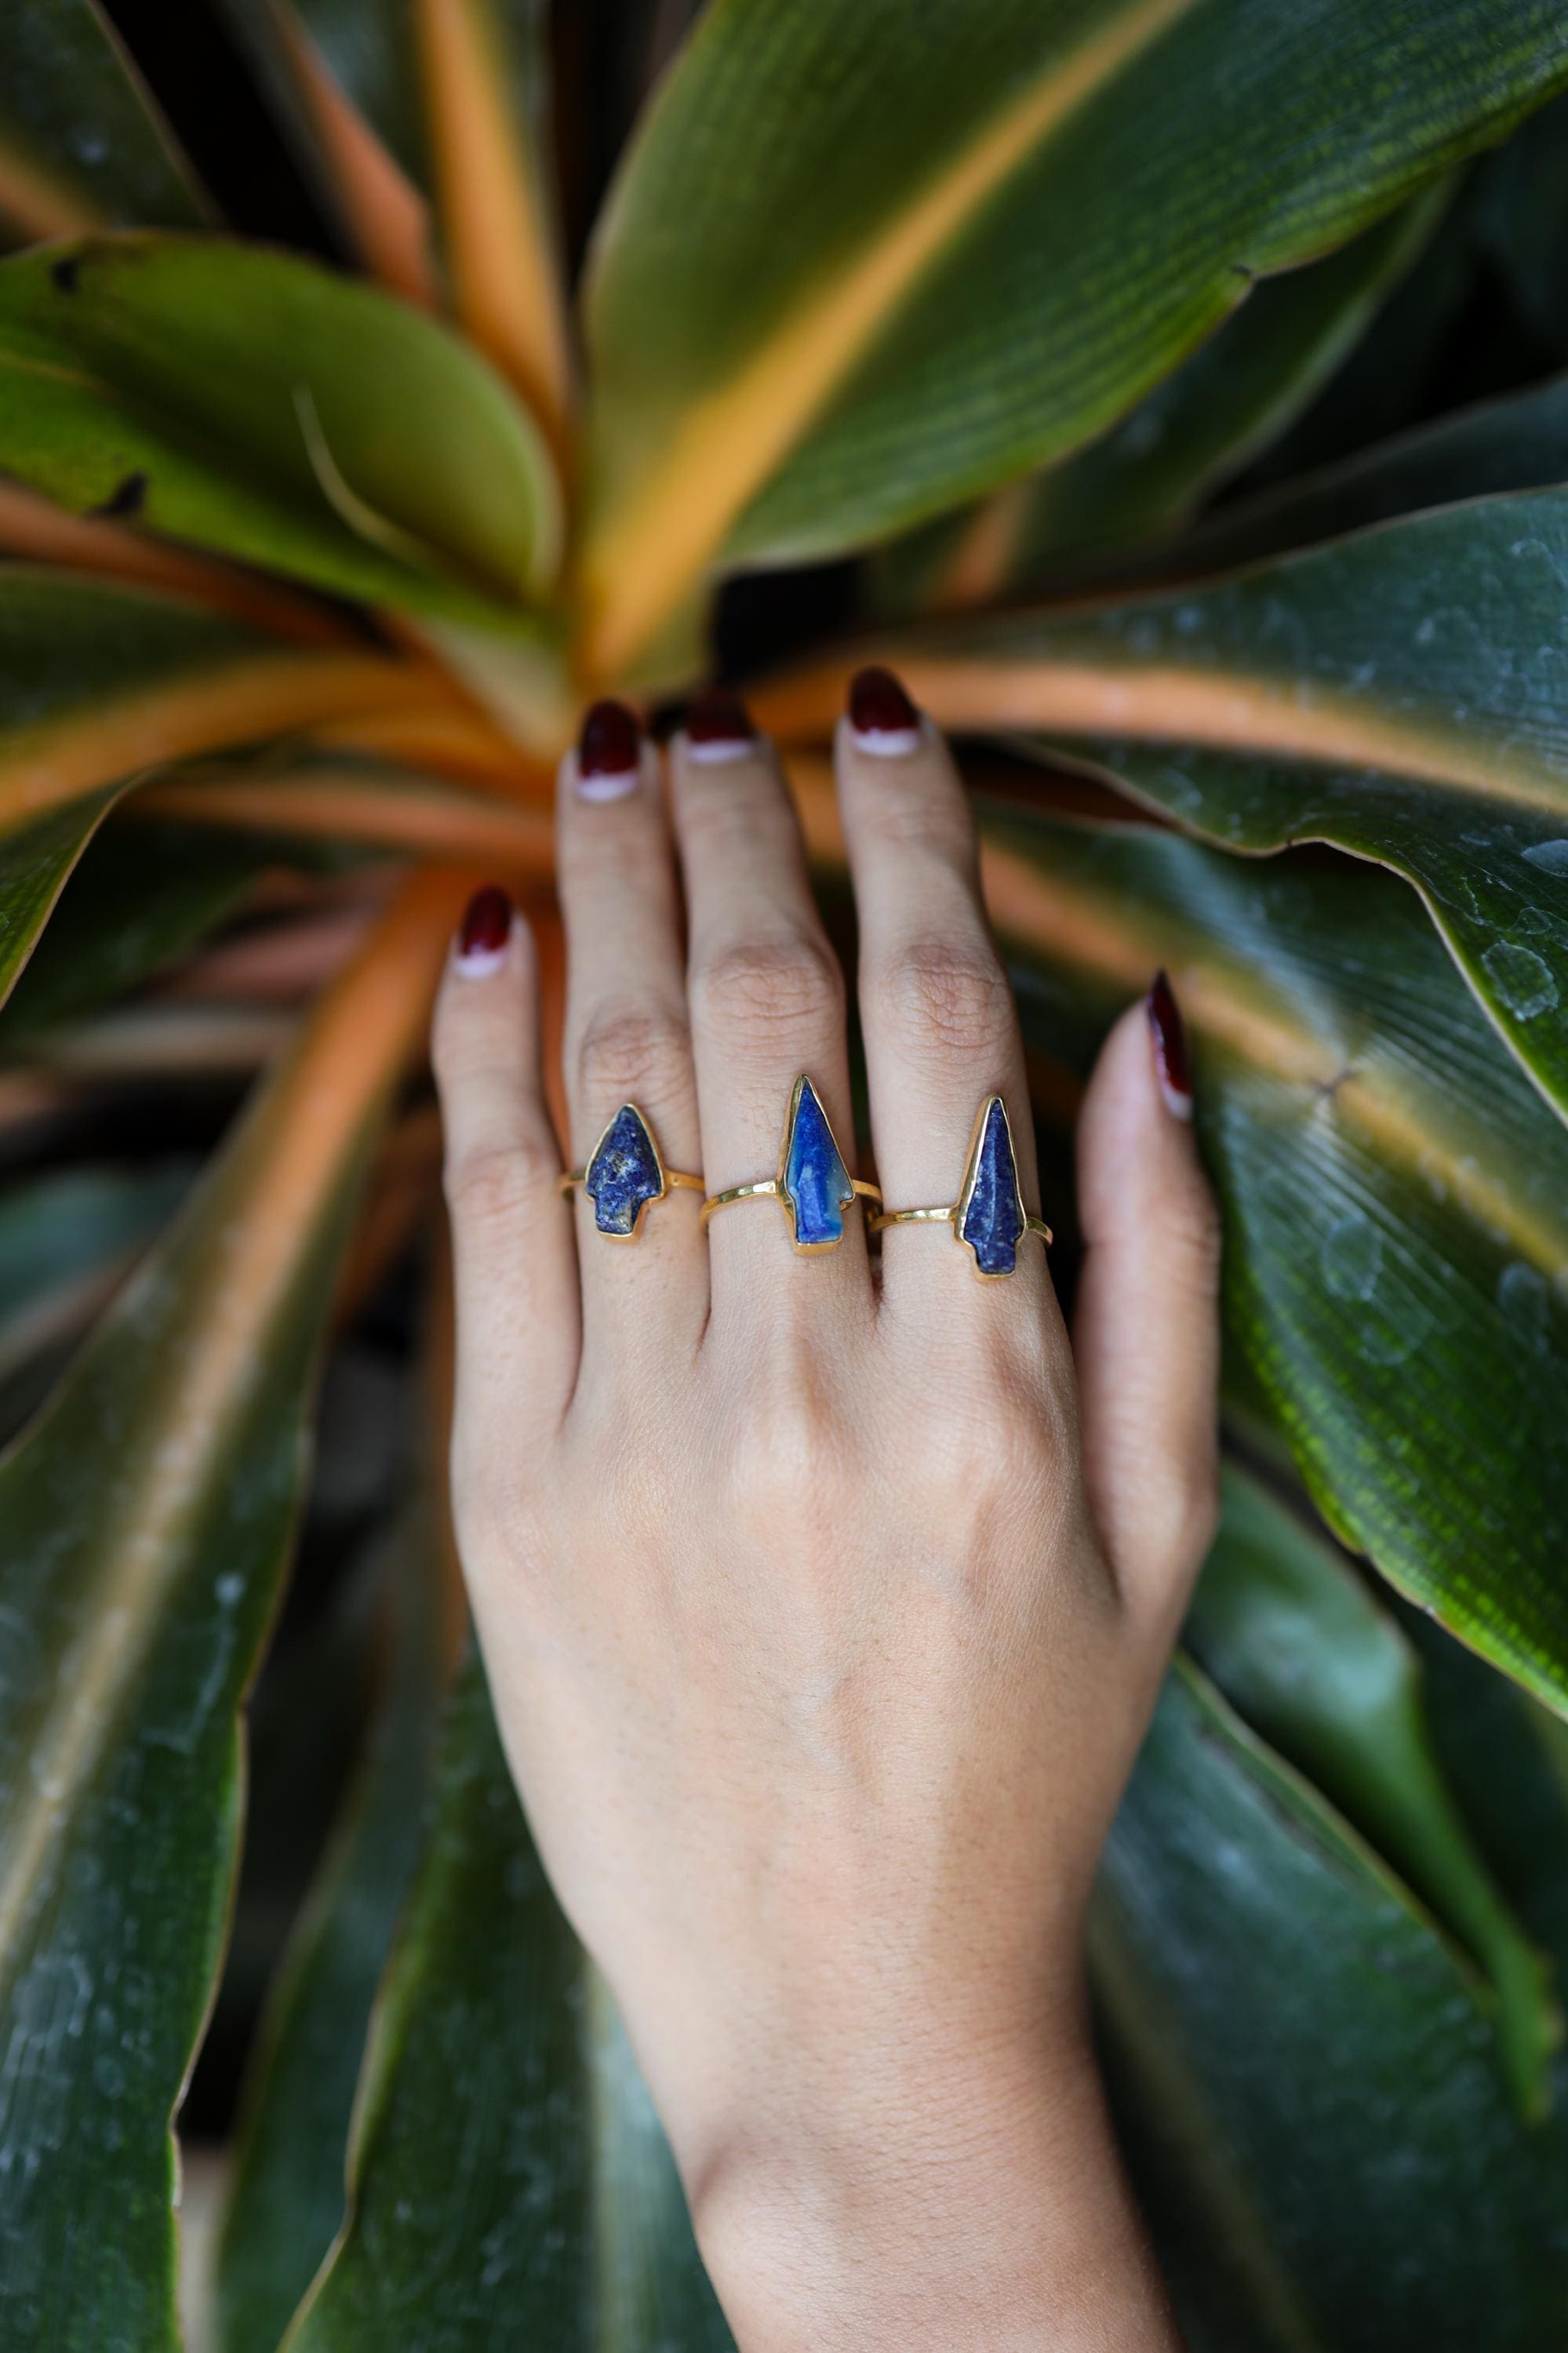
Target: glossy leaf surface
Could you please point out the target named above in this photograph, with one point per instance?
(508, 2178)
(145, 1520)
(82, 146)
(1305, 2081)
(1141, 480)
(1403, 694)
(858, 269)
(1300, 1647)
(263, 406)
(287, 2193)
(1395, 1195)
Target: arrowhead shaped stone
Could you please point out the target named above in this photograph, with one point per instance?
(623, 1174)
(815, 1182)
(991, 1219)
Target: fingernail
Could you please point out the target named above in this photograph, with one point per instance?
(1172, 1063)
(718, 728)
(882, 718)
(609, 752)
(485, 933)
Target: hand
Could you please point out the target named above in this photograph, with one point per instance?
(824, 1613)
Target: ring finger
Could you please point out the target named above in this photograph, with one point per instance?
(940, 1026)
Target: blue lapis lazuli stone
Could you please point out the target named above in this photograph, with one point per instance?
(816, 1182)
(622, 1174)
(993, 1221)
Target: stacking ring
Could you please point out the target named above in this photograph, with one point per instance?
(813, 1186)
(989, 1215)
(624, 1173)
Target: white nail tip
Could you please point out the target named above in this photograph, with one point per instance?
(721, 751)
(478, 963)
(886, 743)
(609, 789)
(1178, 1104)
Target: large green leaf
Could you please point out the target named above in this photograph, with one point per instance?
(142, 896)
(98, 683)
(82, 146)
(145, 1521)
(1395, 1195)
(256, 404)
(286, 2192)
(858, 269)
(1517, 443)
(1403, 694)
(1141, 480)
(1305, 2078)
(509, 2182)
(67, 1240)
(1301, 1648)
(456, 97)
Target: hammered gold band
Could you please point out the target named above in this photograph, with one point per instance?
(769, 1189)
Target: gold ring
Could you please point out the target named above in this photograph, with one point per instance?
(813, 1187)
(989, 1215)
(624, 1175)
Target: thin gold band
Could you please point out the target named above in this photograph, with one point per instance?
(943, 1218)
(672, 1176)
(768, 1189)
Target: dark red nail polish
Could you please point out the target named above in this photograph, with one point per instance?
(610, 744)
(878, 707)
(1171, 1060)
(486, 929)
(717, 717)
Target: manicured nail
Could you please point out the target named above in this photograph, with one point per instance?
(1172, 1062)
(486, 933)
(610, 753)
(882, 718)
(718, 728)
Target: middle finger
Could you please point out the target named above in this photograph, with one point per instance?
(767, 1009)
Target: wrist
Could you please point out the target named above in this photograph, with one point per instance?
(981, 2205)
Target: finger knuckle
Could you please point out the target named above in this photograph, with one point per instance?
(752, 993)
(950, 993)
(629, 1053)
(492, 1185)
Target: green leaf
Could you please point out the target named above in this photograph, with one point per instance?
(1403, 694)
(145, 1520)
(1517, 443)
(142, 897)
(260, 405)
(82, 145)
(1521, 219)
(1305, 2079)
(1395, 1195)
(1189, 436)
(508, 2182)
(68, 1239)
(286, 2193)
(855, 271)
(1300, 1647)
(98, 683)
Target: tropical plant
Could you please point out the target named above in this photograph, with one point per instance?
(1081, 357)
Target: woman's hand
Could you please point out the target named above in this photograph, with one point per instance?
(823, 1614)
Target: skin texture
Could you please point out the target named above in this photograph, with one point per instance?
(824, 1611)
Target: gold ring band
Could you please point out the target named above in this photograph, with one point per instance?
(813, 1187)
(989, 1217)
(768, 1189)
(945, 1216)
(624, 1175)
